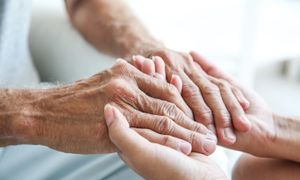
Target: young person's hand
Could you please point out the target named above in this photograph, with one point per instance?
(263, 127)
(152, 160)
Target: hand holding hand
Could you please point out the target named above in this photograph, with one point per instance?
(70, 118)
(154, 161)
(263, 132)
(224, 99)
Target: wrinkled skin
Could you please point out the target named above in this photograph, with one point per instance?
(70, 118)
(154, 161)
(214, 102)
(263, 131)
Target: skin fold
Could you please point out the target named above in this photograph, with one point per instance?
(174, 99)
(110, 26)
(272, 139)
(70, 118)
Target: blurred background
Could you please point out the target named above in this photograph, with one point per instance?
(258, 41)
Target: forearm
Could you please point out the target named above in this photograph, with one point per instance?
(110, 26)
(13, 104)
(287, 142)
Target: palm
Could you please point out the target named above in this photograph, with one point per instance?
(186, 167)
(262, 129)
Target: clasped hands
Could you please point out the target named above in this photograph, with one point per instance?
(150, 159)
(173, 99)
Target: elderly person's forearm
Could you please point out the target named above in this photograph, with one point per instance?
(110, 26)
(12, 107)
(70, 118)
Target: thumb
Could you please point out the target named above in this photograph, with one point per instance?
(129, 142)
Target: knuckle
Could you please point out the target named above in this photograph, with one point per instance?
(210, 90)
(223, 87)
(225, 119)
(167, 140)
(234, 108)
(193, 138)
(198, 128)
(206, 114)
(119, 91)
(170, 108)
(190, 91)
(116, 86)
(172, 91)
(165, 126)
(188, 59)
(124, 68)
(121, 65)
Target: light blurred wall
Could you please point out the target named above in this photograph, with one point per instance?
(238, 34)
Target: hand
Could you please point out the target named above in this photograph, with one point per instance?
(70, 118)
(263, 131)
(214, 103)
(154, 161)
(156, 67)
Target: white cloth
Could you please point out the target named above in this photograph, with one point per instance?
(16, 68)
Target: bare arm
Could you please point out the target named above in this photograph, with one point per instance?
(271, 135)
(70, 118)
(287, 142)
(110, 26)
(12, 106)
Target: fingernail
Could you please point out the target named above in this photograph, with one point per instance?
(209, 146)
(109, 113)
(185, 147)
(228, 133)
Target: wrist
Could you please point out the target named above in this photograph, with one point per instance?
(286, 142)
(12, 117)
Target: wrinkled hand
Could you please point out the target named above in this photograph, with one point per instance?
(70, 118)
(213, 101)
(263, 131)
(154, 161)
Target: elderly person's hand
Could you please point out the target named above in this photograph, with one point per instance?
(263, 126)
(214, 102)
(70, 118)
(152, 160)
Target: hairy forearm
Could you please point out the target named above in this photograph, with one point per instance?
(110, 26)
(287, 142)
(13, 104)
